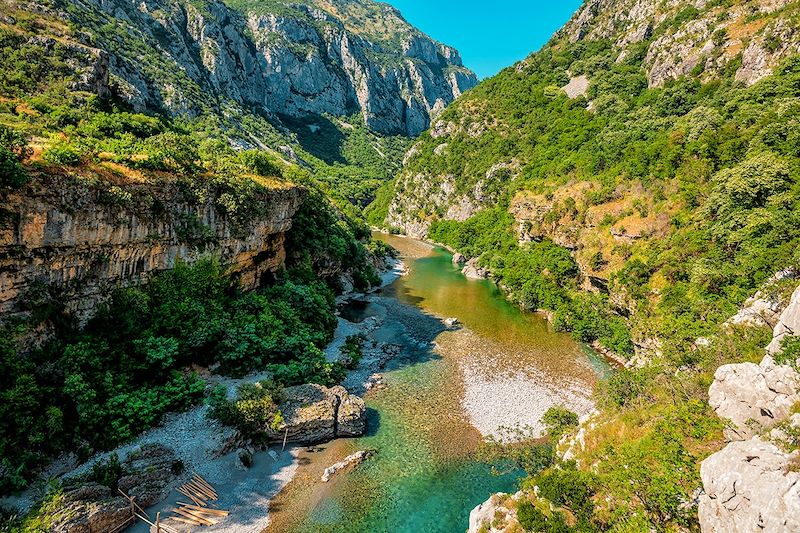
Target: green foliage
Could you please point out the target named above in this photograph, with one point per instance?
(252, 412)
(535, 521)
(790, 352)
(566, 486)
(62, 153)
(352, 350)
(559, 420)
(119, 375)
(13, 150)
(107, 472)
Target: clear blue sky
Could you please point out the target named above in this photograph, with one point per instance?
(490, 35)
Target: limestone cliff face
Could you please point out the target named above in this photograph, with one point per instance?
(85, 239)
(705, 35)
(752, 484)
(279, 59)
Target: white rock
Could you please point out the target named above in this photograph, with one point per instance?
(753, 397)
(788, 324)
(749, 487)
(354, 459)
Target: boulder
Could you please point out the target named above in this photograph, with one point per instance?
(472, 271)
(459, 259)
(753, 397)
(497, 514)
(313, 413)
(788, 324)
(153, 468)
(750, 486)
(90, 507)
(354, 459)
(351, 416)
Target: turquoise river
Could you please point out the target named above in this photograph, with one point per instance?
(424, 476)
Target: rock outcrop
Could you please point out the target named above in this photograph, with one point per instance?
(472, 271)
(313, 413)
(282, 58)
(91, 507)
(495, 515)
(788, 324)
(753, 484)
(86, 239)
(701, 35)
(753, 397)
(750, 486)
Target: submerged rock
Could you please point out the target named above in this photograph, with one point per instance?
(354, 459)
(313, 413)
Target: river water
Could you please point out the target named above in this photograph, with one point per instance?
(501, 367)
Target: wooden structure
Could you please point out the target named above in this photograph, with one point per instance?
(201, 511)
(141, 514)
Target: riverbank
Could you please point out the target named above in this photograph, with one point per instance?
(203, 445)
(452, 384)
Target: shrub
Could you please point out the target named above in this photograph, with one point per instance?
(14, 149)
(535, 521)
(11, 172)
(253, 411)
(559, 420)
(62, 153)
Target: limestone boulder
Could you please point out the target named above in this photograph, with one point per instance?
(472, 271)
(313, 413)
(788, 324)
(753, 397)
(750, 486)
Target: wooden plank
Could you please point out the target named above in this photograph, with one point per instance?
(206, 510)
(187, 514)
(194, 514)
(185, 520)
(202, 483)
(200, 491)
(198, 501)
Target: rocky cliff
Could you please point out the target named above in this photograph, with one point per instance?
(84, 237)
(277, 59)
(753, 484)
(453, 173)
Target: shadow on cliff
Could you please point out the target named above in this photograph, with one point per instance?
(319, 136)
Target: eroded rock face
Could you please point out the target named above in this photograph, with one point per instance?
(495, 515)
(287, 59)
(472, 271)
(60, 231)
(313, 413)
(788, 324)
(750, 486)
(92, 507)
(753, 397)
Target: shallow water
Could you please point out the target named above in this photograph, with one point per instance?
(424, 476)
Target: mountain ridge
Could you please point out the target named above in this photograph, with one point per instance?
(189, 58)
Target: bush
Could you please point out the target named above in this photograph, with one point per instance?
(535, 521)
(559, 420)
(11, 172)
(252, 412)
(14, 150)
(62, 153)
(566, 486)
